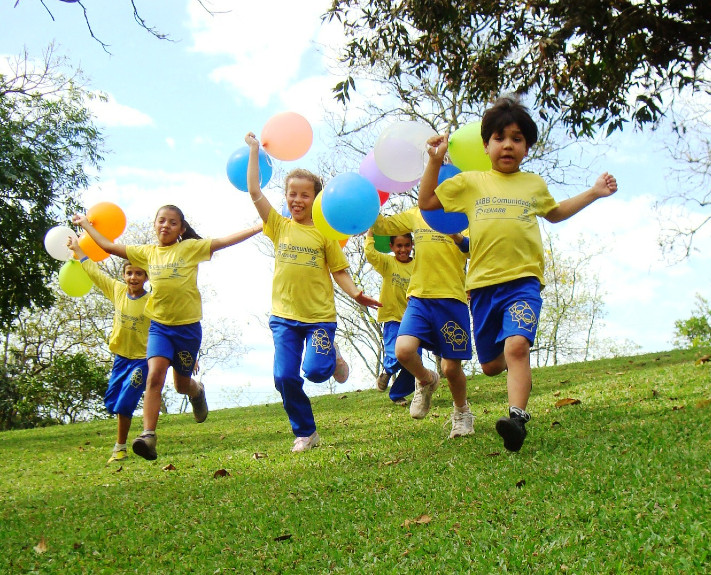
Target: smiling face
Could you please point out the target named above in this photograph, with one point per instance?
(300, 196)
(168, 226)
(401, 246)
(134, 277)
(507, 149)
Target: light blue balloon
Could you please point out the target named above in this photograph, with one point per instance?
(237, 168)
(350, 203)
(285, 210)
(446, 171)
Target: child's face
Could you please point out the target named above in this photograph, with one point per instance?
(300, 196)
(168, 226)
(134, 277)
(507, 149)
(402, 248)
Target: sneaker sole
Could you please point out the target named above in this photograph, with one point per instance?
(143, 450)
(510, 433)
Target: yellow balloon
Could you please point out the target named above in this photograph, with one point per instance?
(321, 224)
(466, 149)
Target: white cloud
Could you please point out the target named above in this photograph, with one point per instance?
(112, 114)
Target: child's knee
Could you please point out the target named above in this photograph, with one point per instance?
(517, 348)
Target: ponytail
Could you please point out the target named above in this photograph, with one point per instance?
(189, 233)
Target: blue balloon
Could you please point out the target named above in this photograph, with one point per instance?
(446, 222)
(446, 171)
(285, 210)
(350, 203)
(237, 168)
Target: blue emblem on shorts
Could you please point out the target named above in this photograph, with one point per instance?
(321, 341)
(455, 336)
(523, 315)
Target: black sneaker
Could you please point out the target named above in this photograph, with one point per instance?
(513, 431)
(145, 446)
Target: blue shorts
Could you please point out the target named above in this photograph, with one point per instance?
(503, 310)
(441, 325)
(179, 343)
(127, 383)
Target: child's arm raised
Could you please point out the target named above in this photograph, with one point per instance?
(345, 281)
(260, 201)
(436, 148)
(604, 186)
(236, 238)
(104, 243)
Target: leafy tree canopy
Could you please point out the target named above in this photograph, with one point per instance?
(602, 62)
(47, 141)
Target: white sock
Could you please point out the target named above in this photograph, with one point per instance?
(119, 447)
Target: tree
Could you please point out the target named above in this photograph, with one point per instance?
(696, 330)
(47, 142)
(601, 63)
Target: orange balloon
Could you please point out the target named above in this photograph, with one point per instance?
(91, 248)
(287, 136)
(108, 219)
(343, 243)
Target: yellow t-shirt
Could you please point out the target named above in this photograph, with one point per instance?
(172, 271)
(396, 280)
(438, 272)
(129, 334)
(505, 239)
(302, 289)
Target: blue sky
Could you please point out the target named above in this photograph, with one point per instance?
(177, 110)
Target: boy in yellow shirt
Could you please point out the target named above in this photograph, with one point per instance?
(505, 275)
(127, 342)
(436, 317)
(396, 272)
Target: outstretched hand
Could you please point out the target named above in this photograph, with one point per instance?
(367, 301)
(81, 220)
(605, 185)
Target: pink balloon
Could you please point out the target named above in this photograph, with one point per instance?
(287, 136)
(370, 171)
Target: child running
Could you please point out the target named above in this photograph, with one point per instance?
(436, 317)
(396, 272)
(174, 308)
(127, 342)
(303, 316)
(505, 275)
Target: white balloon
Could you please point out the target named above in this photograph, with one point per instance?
(401, 150)
(55, 242)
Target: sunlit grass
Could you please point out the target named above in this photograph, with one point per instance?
(618, 483)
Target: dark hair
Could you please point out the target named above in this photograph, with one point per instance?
(504, 112)
(305, 175)
(127, 263)
(407, 235)
(190, 233)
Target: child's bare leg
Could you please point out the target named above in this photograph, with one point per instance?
(406, 347)
(517, 351)
(124, 426)
(186, 385)
(495, 366)
(457, 380)
(157, 369)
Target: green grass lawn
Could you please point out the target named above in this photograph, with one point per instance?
(619, 483)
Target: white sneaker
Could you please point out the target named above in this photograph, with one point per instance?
(422, 399)
(304, 443)
(462, 422)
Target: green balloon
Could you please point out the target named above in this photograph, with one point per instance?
(382, 244)
(466, 149)
(73, 280)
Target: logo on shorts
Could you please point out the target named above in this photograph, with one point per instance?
(321, 341)
(186, 360)
(523, 315)
(137, 378)
(455, 336)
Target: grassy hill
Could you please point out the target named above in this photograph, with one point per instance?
(619, 483)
